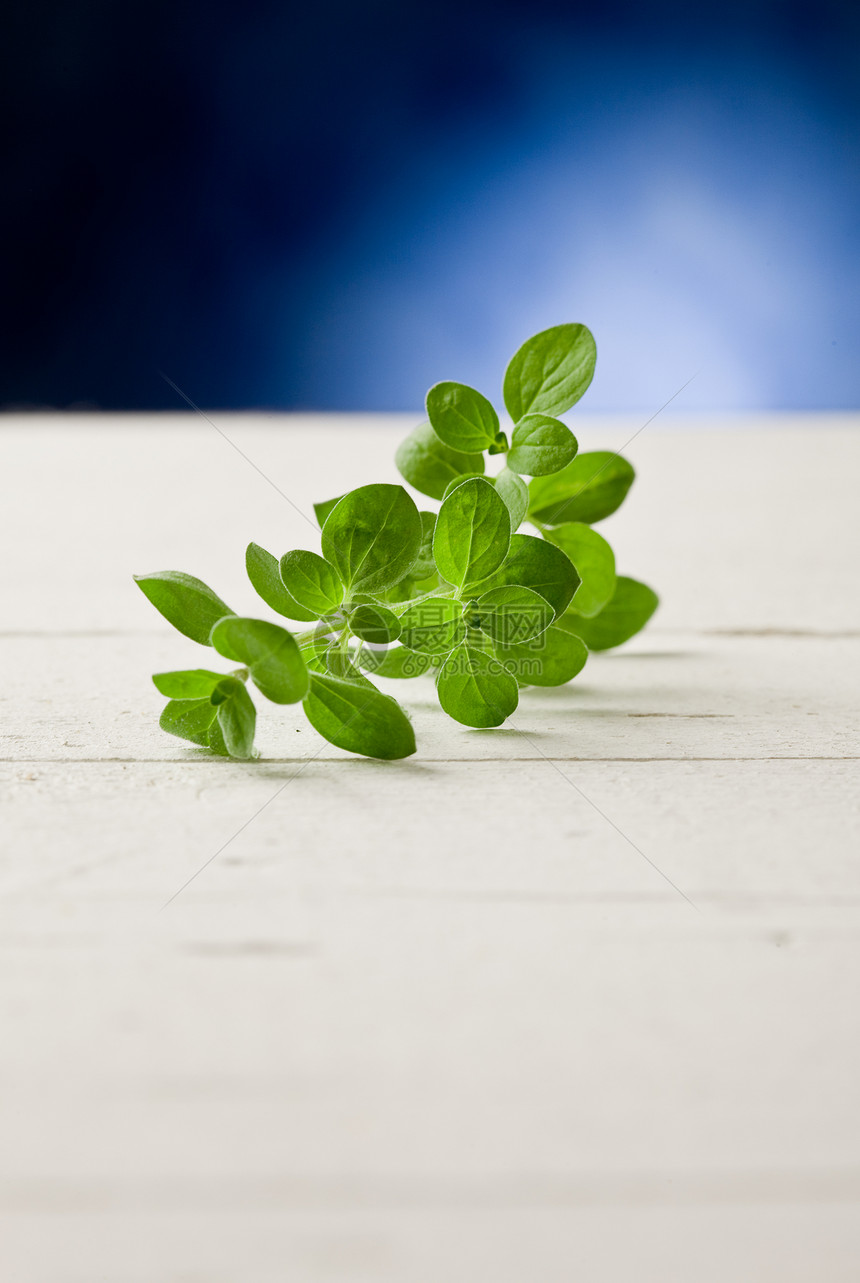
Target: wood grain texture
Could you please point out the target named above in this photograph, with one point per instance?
(574, 999)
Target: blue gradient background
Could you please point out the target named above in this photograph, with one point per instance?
(334, 208)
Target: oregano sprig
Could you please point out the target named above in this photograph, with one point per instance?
(399, 592)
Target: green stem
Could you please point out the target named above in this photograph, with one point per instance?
(395, 606)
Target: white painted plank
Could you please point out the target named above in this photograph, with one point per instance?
(757, 1243)
(438, 1019)
(753, 834)
(664, 695)
(755, 527)
(459, 1042)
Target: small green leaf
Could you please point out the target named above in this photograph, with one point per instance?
(515, 493)
(429, 465)
(190, 683)
(550, 371)
(512, 614)
(408, 589)
(224, 689)
(265, 575)
(339, 663)
(588, 489)
(190, 719)
(424, 564)
(313, 647)
(421, 587)
(473, 533)
(223, 723)
(398, 662)
(433, 626)
(270, 652)
(185, 602)
(358, 718)
(373, 537)
(237, 720)
(552, 659)
(534, 563)
(594, 562)
(375, 624)
(631, 606)
(321, 510)
(540, 445)
(312, 582)
(216, 739)
(475, 688)
(461, 417)
(466, 476)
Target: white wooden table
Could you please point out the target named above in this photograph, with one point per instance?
(573, 1000)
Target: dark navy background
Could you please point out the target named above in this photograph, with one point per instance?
(333, 205)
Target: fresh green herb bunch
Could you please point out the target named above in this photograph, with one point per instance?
(399, 592)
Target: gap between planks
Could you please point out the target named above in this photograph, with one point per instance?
(762, 634)
(443, 761)
(409, 1190)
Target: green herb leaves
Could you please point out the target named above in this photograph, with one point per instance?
(184, 601)
(372, 537)
(473, 533)
(374, 623)
(433, 626)
(475, 688)
(359, 718)
(459, 595)
(312, 582)
(552, 659)
(628, 610)
(462, 418)
(265, 575)
(429, 465)
(533, 563)
(193, 683)
(589, 489)
(222, 720)
(594, 561)
(270, 653)
(550, 372)
(511, 614)
(515, 494)
(540, 445)
(235, 722)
